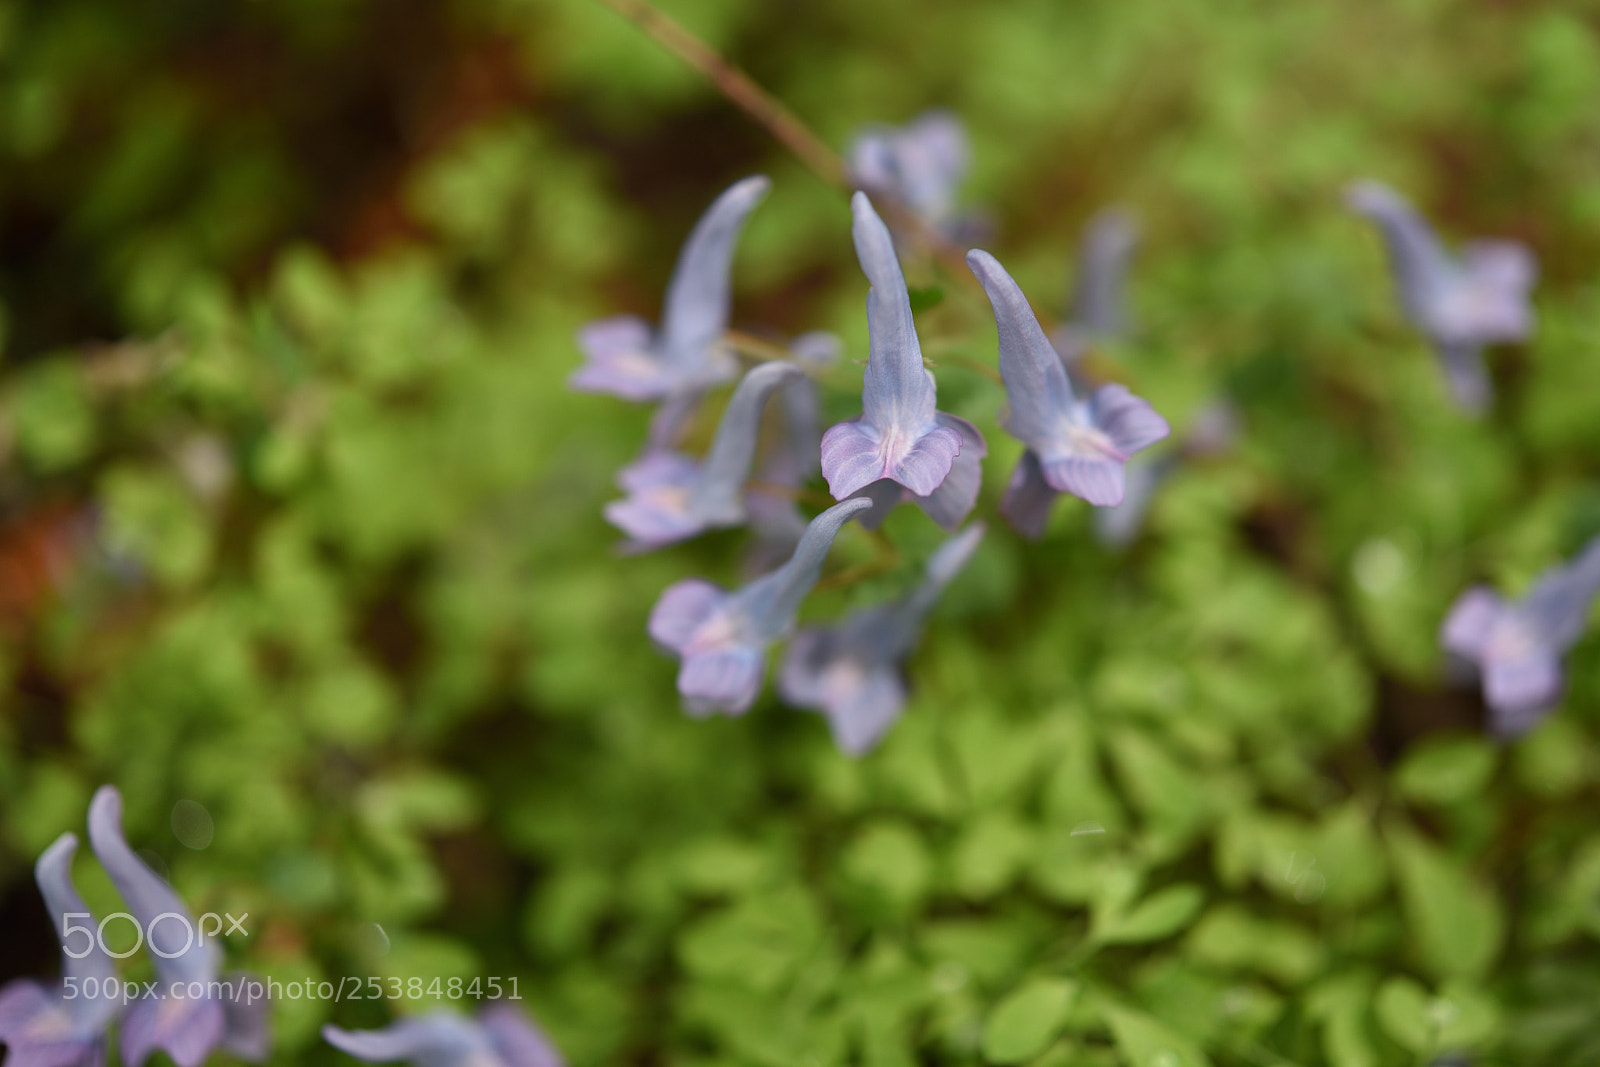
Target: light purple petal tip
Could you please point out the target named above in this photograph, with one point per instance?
(861, 705)
(1466, 629)
(1518, 688)
(437, 1039)
(681, 610)
(619, 361)
(1129, 421)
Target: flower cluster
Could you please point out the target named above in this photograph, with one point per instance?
(67, 1024)
(901, 448)
(501, 1036)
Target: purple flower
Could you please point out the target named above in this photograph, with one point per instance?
(686, 356)
(1074, 446)
(722, 637)
(501, 1036)
(791, 459)
(1098, 306)
(1517, 647)
(852, 672)
(919, 164)
(1459, 303)
(187, 1027)
(671, 497)
(46, 1025)
(900, 438)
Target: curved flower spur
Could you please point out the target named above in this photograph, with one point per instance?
(1098, 305)
(687, 355)
(672, 497)
(1459, 303)
(187, 1028)
(722, 637)
(501, 1036)
(41, 1025)
(1074, 446)
(852, 672)
(1518, 646)
(900, 445)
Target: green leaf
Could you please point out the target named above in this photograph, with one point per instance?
(1145, 1042)
(889, 858)
(1453, 919)
(1459, 1018)
(1446, 770)
(924, 297)
(1027, 1020)
(1159, 915)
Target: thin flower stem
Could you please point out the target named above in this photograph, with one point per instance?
(738, 87)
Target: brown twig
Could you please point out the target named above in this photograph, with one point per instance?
(737, 86)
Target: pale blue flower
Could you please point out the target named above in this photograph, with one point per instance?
(852, 672)
(687, 355)
(919, 165)
(501, 1036)
(900, 437)
(187, 1027)
(62, 1024)
(791, 458)
(1517, 646)
(672, 497)
(722, 637)
(1460, 303)
(1074, 446)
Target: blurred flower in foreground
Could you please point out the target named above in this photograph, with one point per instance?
(1099, 308)
(41, 1025)
(918, 165)
(900, 444)
(188, 1028)
(852, 672)
(1518, 646)
(501, 1036)
(722, 637)
(1460, 303)
(687, 355)
(671, 497)
(1074, 446)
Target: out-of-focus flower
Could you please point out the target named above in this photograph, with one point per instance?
(187, 1027)
(919, 165)
(852, 672)
(791, 458)
(687, 354)
(671, 497)
(1460, 303)
(1077, 446)
(1099, 308)
(44, 1025)
(501, 1036)
(1517, 646)
(900, 441)
(1212, 431)
(722, 637)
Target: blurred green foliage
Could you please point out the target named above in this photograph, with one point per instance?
(335, 568)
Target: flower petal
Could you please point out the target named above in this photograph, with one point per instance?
(1517, 688)
(952, 501)
(519, 1042)
(1096, 479)
(188, 1030)
(861, 711)
(681, 610)
(1097, 299)
(246, 1031)
(897, 394)
(726, 679)
(1466, 629)
(619, 361)
(1129, 421)
(437, 1039)
(1028, 498)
